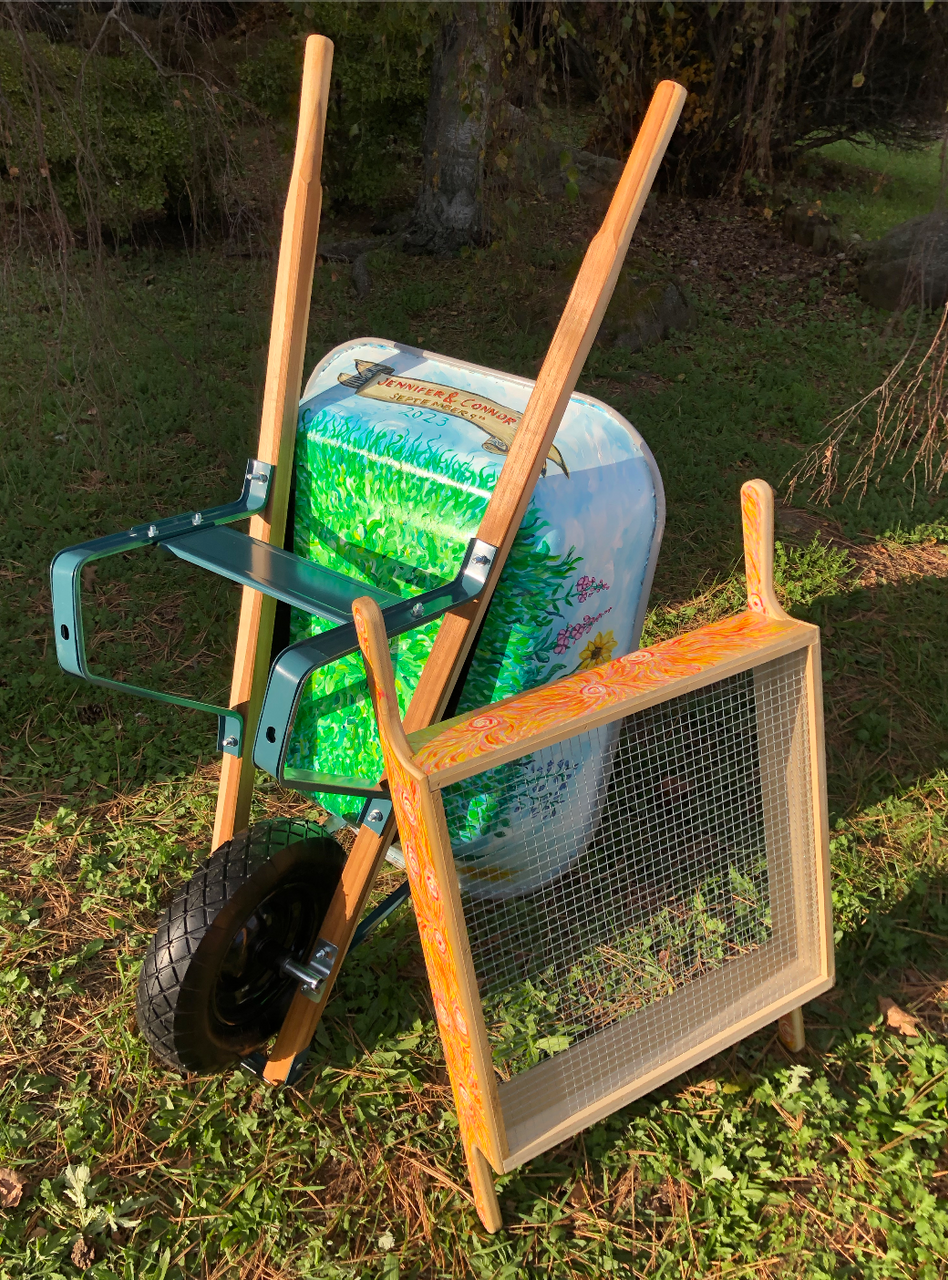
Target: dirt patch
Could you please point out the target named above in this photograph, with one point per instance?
(876, 563)
(730, 251)
(892, 562)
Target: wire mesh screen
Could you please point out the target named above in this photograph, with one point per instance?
(633, 870)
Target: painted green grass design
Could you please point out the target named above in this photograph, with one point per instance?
(347, 473)
(516, 644)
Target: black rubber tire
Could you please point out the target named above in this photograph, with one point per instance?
(276, 878)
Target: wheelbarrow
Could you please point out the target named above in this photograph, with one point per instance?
(499, 558)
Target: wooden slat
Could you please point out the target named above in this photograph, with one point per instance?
(294, 287)
(437, 902)
(821, 836)
(529, 721)
(757, 511)
(533, 1103)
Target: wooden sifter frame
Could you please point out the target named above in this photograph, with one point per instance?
(502, 1124)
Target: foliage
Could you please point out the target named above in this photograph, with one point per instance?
(378, 95)
(875, 187)
(104, 139)
(751, 1167)
(109, 119)
(109, 124)
(766, 81)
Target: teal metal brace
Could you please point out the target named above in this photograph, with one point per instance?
(202, 538)
(66, 586)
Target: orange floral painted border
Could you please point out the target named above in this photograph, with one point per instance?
(416, 818)
(527, 714)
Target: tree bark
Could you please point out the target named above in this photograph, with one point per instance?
(449, 211)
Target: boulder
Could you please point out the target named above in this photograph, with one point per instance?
(808, 227)
(643, 312)
(908, 264)
(648, 304)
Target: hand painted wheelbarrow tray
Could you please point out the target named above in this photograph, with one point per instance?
(681, 893)
(437, 488)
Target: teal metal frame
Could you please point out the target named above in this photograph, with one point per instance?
(293, 668)
(65, 576)
(202, 538)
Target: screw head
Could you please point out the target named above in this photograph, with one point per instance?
(417, 610)
(230, 741)
(376, 815)
(197, 518)
(153, 531)
(482, 559)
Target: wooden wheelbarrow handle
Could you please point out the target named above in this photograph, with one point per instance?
(281, 395)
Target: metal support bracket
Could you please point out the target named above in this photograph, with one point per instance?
(375, 814)
(312, 977)
(293, 668)
(196, 537)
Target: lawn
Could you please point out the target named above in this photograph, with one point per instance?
(131, 390)
(878, 187)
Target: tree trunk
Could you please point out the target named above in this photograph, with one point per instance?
(449, 211)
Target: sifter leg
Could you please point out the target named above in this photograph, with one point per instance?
(791, 1032)
(485, 1195)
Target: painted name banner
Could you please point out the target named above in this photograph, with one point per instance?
(381, 382)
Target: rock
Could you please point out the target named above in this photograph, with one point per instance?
(811, 229)
(642, 313)
(648, 304)
(908, 263)
(545, 167)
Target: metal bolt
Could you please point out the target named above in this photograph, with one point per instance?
(417, 610)
(230, 742)
(482, 559)
(376, 815)
(197, 518)
(153, 531)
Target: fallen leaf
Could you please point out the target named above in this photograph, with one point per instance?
(83, 1253)
(577, 1196)
(897, 1019)
(11, 1188)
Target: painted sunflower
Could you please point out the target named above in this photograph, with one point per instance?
(598, 650)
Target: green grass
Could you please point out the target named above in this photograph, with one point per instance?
(752, 1165)
(880, 187)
